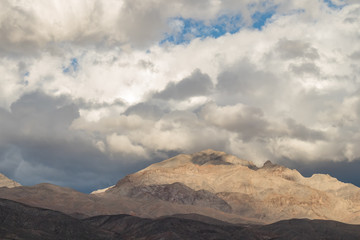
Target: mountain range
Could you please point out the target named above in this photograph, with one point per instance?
(210, 192)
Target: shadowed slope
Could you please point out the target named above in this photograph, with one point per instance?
(82, 205)
(18, 221)
(200, 227)
(180, 194)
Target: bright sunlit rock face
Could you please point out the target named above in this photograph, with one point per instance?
(94, 90)
(268, 193)
(6, 182)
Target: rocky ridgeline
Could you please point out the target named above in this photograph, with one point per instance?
(22, 222)
(208, 183)
(265, 194)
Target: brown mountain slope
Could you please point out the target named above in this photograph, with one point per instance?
(18, 221)
(82, 205)
(208, 183)
(268, 194)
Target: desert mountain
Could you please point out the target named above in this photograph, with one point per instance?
(58, 198)
(82, 205)
(6, 182)
(19, 221)
(208, 183)
(216, 180)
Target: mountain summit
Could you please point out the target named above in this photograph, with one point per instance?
(224, 182)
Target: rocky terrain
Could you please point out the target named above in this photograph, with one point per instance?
(266, 194)
(82, 205)
(19, 221)
(210, 195)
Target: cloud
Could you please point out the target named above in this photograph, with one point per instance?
(305, 68)
(104, 24)
(184, 131)
(289, 49)
(146, 110)
(243, 82)
(244, 78)
(355, 55)
(38, 145)
(89, 88)
(301, 132)
(49, 22)
(110, 124)
(112, 23)
(121, 144)
(248, 121)
(197, 84)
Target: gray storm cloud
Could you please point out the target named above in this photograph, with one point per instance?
(197, 84)
(37, 145)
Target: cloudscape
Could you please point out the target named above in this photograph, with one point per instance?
(94, 90)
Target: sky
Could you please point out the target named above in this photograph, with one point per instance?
(91, 90)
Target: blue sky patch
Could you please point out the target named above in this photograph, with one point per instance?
(332, 5)
(72, 67)
(260, 18)
(183, 30)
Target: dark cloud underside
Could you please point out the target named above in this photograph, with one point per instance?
(197, 84)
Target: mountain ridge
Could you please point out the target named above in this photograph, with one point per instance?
(20, 221)
(209, 183)
(268, 193)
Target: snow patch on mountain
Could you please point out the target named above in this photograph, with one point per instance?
(6, 182)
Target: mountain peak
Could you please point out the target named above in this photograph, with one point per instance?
(278, 191)
(203, 158)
